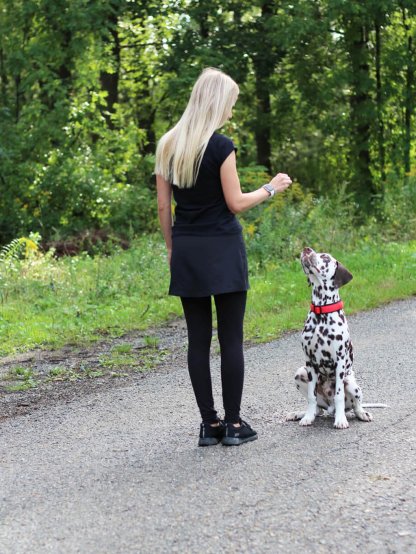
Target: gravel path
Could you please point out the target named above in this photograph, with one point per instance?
(118, 471)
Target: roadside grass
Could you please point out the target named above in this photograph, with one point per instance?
(122, 357)
(279, 297)
(21, 378)
(48, 303)
(119, 362)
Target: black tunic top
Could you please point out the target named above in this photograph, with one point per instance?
(208, 251)
(202, 210)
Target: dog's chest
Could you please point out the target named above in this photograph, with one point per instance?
(326, 340)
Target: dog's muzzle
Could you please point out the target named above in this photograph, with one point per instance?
(308, 259)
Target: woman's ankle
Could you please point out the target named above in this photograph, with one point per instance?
(234, 422)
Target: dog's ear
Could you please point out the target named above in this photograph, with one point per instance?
(342, 276)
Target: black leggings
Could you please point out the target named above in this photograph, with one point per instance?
(230, 315)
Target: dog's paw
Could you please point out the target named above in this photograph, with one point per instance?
(294, 416)
(341, 423)
(364, 416)
(306, 420)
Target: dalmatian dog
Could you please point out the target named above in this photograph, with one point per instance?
(327, 379)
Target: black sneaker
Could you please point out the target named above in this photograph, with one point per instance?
(209, 435)
(238, 435)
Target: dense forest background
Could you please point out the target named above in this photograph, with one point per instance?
(88, 86)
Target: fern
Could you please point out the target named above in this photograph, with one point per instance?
(19, 246)
(11, 251)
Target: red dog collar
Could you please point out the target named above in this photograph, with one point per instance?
(328, 309)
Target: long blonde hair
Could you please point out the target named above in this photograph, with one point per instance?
(179, 152)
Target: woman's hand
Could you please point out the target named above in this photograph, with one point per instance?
(281, 182)
(169, 256)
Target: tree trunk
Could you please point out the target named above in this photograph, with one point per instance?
(4, 79)
(408, 112)
(146, 120)
(262, 127)
(202, 18)
(18, 96)
(361, 109)
(380, 137)
(64, 70)
(110, 80)
(263, 67)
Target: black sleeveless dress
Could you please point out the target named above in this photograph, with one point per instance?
(208, 251)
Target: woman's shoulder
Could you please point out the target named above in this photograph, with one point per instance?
(218, 138)
(221, 144)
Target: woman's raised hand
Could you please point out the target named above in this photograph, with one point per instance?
(281, 182)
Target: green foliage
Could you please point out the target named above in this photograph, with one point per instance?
(298, 219)
(279, 294)
(49, 301)
(398, 207)
(46, 301)
(72, 313)
(327, 94)
(22, 377)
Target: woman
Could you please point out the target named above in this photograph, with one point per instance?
(205, 247)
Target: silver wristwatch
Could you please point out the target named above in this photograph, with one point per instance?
(269, 189)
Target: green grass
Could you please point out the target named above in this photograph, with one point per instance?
(279, 297)
(48, 303)
(22, 377)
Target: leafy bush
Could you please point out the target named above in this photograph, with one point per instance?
(397, 207)
(297, 219)
(87, 177)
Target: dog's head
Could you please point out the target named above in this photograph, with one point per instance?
(323, 269)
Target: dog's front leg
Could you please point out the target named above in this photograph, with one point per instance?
(311, 410)
(341, 421)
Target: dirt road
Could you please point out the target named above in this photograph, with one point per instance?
(117, 470)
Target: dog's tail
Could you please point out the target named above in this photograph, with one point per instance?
(372, 405)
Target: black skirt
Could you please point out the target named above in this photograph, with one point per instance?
(208, 265)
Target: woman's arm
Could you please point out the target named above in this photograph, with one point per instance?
(238, 201)
(164, 205)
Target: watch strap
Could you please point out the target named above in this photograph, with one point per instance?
(269, 189)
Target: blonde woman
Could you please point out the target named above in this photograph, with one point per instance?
(205, 246)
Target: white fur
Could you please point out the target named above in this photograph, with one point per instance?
(327, 379)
